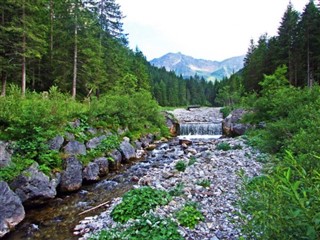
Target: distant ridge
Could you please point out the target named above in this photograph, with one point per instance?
(188, 66)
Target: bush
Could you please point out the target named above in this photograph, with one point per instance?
(146, 227)
(224, 146)
(138, 201)
(283, 204)
(189, 216)
(181, 166)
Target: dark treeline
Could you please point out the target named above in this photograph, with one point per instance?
(77, 45)
(172, 90)
(297, 46)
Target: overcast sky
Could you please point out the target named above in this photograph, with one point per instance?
(206, 29)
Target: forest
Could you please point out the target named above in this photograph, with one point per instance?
(62, 60)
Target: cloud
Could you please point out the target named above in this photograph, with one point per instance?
(209, 29)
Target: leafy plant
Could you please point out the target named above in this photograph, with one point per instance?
(146, 227)
(223, 146)
(181, 166)
(192, 160)
(177, 190)
(189, 216)
(204, 183)
(138, 201)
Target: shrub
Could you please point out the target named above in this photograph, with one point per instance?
(204, 183)
(146, 227)
(181, 166)
(224, 146)
(189, 216)
(138, 201)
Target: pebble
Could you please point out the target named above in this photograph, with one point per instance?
(217, 202)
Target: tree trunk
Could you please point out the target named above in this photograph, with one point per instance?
(3, 83)
(75, 57)
(23, 81)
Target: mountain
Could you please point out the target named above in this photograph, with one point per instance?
(188, 66)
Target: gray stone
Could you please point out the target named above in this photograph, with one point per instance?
(34, 187)
(103, 164)
(232, 125)
(128, 151)
(116, 157)
(11, 209)
(56, 143)
(5, 154)
(71, 177)
(75, 148)
(95, 142)
(146, 140)
(91, 172)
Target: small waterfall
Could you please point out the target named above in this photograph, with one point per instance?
(201, 128)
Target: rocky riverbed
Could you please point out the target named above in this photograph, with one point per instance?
(203, 114)
(217, 202)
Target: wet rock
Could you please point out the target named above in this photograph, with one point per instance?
(116, 157)
(71, 177)
(186, 142)
(103, 164)
(91, 172)
(5, 154)
(75, 148)
(232, 125)
(95, 142)
(146, 140)
(56, 143)
(34, 187)
(128, 151)
(11, 209)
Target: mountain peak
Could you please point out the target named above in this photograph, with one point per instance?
(188, 66)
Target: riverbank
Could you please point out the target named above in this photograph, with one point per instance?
(219, 166)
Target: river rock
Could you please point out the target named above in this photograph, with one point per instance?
(103, 164)
(56, 143)
(127, 150)
(75, 148)
(34, 187)
(146, 140)
(71, 177)
(95, 142)
(116, 157)
(11, 209)
(91, 172)
(232, 125)
(5, 154)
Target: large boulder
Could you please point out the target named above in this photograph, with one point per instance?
(127, 150)
(71, 177)
(56, 143)
(116, 158)
(5, 154)
(34, 187)
(75, 148)
(11, 209)
(91, 172)
(103, 164)
(172, 123)
(146, 140)
(95, 142)
(232, 125)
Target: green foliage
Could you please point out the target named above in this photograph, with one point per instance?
(225, 111)
(204, 183)
(181, 166)
(146, 227)
(192, 160)
(177, 190)
(138, 201)
(109, 143)
(284, 204)
(223, 146)
(189, 216)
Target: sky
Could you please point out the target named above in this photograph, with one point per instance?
(204, 29)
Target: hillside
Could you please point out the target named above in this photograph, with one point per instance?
(188, 66)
